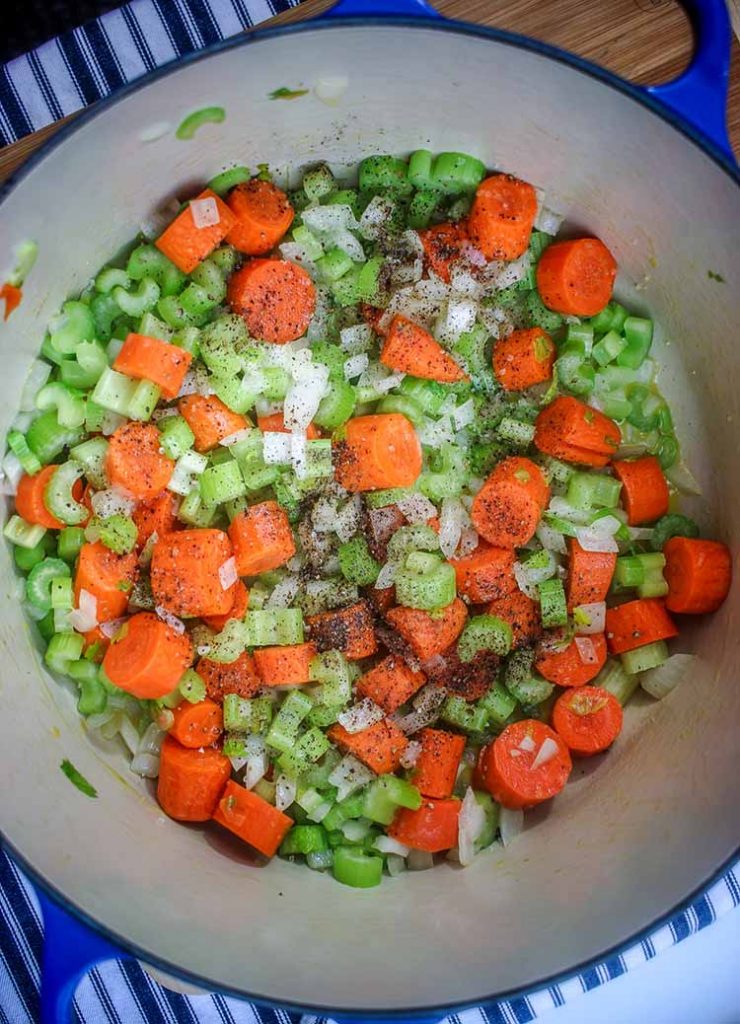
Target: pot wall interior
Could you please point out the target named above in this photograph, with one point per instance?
(632, 835)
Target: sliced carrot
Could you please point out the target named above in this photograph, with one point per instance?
(185, 572)
(276, 298)
(11, 295)
(380, 747)
(210, 420)
(239, 677)
(107, 576)
(429, 634)
(378, 451)
(509, 505)
(381, 600)
(587, 720)
(185, 244)
(262, 215)
(522, 614)
(698, 573)
(197, 725)
(571, 430)
(576, 277)
(589, 574)
(158, 515)
(252, 819)
(145, 358)
(637, 623)
(275, 423)
(567, 667)
(239, 605)
(135, 461)
(507, 765)
(190, 782)
(262, 538)
(408, 348)
(502, 216)
(373, 317)
(486, 574)
(644, 489)
(433, 828)
(289, 665)
(349, 630)
(148, 657)
(443, 245)
(390, 684)
(436, 767)
(29, 498)
(523, 358)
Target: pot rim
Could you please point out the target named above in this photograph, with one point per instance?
(546, 50)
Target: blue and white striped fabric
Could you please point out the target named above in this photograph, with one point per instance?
(82, 66)
(120, 992)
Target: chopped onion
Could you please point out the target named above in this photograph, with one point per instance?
(462, 282)
(284, 593)
(527, 744)
(257, 760)
(112, 626)
(347, 521)
(294, 252)
(594, 615)
(146, 765)
(376, 214)
(239, 435)
(387, 844)
(310, 382)
(276, 448)
(349, 775)
(458, 318)
(387, 575)
(356, 365)
(285, 792)
(599, 536)
(586, 650)
(513, 272)
(85, 616)
(354, 831)
(360, 716)
(111, 502)
(333, 218)
(205, 212)
(299, 455)
(396, 865)
(464, 414)
(564, 510)
(417, 508)
(330, 88)
(427, 705)
(227, 573)
(411, 754)
(548, 221)
(347, 242)
(419, 860)
(510, 824)
(195, 382)
(358, 338)
(129, 734)
(470, 825)
(453, 519)
(545, 754)
(523, 581)
(469, 541)
(323, 515)
(169, 619)
(659, 682)
(13, 471)
(37, 377)
(473, 256)
(551, 539)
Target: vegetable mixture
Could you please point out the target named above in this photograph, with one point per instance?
(349, 509)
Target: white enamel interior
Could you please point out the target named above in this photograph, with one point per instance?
(632, 835)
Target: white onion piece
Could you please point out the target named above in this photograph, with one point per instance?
(527, 744)
(564, 510)
(37, 377)
(360, 716)
(659, 682)
(387, 844)
(299, 455)
(510, 824)
(169, 619)
(22, 421)
(514, 271)
(462, 282)
(323, 515)
(375, 216)
(151, 740)
(470, 824)
(545, 754)
(333, 218)
(427, 705)
(355, 339)
(129, 734)
(464, 414)
(458, 318)
(349, 775)
(85, 616)
(396, 865)
(239, 435)
(284, 593)
(387, 575)
(205, 212)
(285, 792)
(12, 470)
(276, 448)
(548, 221)
(111, 502)
(146, 765)
(195, 382)
(417, 508)
(227, 573)
(599, 536)
(310, 384)
(419, 860)
(330, 88)
(473, 256)
(257, 761)
(356, 365)
(112, 626)
(355, 831)
(523, 581)
(347, 521)
(595, 616)
(586, 650)
(348, 243)
(434, 433)
(453, 519)
(550, 538)
(411, 754)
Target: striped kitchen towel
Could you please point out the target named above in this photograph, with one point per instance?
(120, 992)
(88, 63)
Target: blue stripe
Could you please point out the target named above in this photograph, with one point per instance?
(223, 1009)
(106, 58)
(39, 73)
(201, 15)
(78, 67)
(733, 887)
(138, 37)
(180, 1007)
(615, 967)
(704, 911)
(590, 979)
(680, 927)
(176, 28)
(138, 984)
(493, 1014)
(13, 108)
(102, 993)
(556, 995)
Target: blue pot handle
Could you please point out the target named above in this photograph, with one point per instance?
(698, 96)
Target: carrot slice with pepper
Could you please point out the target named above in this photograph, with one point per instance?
(210, 420)
(148, 657)
(185, 572)
(239, 677)
(186, 244)
(190, 782)
(380, 746)
(349, 630)
(698, 573)
(571, 430)
(443, 245)
(523, 358)
(252, 819)
(197, 725)
(158, 515)
(433, 828)
(486, 574)
(637, 623)
(576, 277)
(239, 605)
(502, 216)
(644, 489)
(145, 358)
(262, 538)
(429, 634)
(107, 576)
(378, 451)
(589, 574)
(29, 498)
(275, 423)
(135, 461)
(526, 764)
(276, 298)
(436, 767)
(390, 683)
(567, 667)
(262, 215)
(521, 613)
(408, 348)
(588, 720)
(289, 665)
(510, 503)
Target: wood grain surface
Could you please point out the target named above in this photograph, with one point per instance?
(646, 41)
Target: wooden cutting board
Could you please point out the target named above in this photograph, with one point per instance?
(647, 41)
